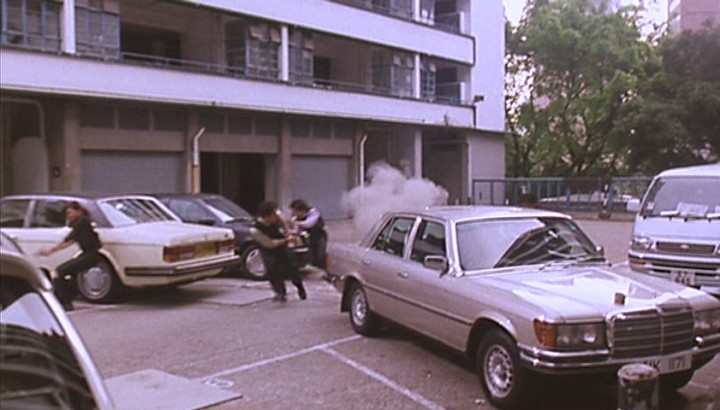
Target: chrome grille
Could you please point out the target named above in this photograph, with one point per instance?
(651, 332)
(686, 248)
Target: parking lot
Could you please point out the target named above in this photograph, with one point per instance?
(224, 344)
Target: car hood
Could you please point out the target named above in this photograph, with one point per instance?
(585, 291)
(678, 228)
(164, 233)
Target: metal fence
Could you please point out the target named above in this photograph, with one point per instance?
(562, 194)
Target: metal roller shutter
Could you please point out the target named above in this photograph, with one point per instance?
(112, 172)
(321, 181)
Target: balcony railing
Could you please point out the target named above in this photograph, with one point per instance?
(447, 22)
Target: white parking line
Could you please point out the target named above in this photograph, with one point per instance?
(326, 348)
(278, 358)
(384, 380)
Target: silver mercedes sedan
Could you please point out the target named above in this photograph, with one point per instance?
(522, 292)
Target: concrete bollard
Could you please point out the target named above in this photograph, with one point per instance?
(638, 387)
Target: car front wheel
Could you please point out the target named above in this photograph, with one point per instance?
(363, 320)
(100, 283)
(502, 377)
(252, 263)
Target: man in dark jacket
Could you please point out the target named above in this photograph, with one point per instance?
(85, 236)
(309, 219)
(268, 232)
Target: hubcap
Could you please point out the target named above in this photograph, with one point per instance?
(498, 371)
(359, 307)
(95, 282)
(254, 264)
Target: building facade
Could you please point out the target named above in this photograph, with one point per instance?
(692, 14)
(251, 99)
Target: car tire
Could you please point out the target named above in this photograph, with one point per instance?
(251, 263)
(672, 382)
(502, 377)
(362, 319)
(99, 284)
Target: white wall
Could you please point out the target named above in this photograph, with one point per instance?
(488, 74)
(34, 72)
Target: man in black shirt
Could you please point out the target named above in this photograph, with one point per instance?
(85, 236)
(269, 234)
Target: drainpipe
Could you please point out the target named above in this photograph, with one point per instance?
(361, 165)
(361, 150)
(196, 160)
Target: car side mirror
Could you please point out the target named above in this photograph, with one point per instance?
(633, 205)
(599, 251)
(436, 262)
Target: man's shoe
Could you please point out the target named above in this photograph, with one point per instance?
(280, 298)
(302, 293)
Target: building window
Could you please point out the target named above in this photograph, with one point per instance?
(301, 56)
(168, 120)
(240, 124)
(399, 8)
(133, 118)
(97, 25)
(251, 49)
(392, 73)
(97, 116)
(31, 24)
(428, 80)
(300, 128)
(213, 123)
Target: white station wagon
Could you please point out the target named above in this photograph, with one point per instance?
(522, 292)
(144, 244)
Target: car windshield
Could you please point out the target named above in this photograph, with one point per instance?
(131, 211)
(226, 210)
(684, 197)
(517, 242)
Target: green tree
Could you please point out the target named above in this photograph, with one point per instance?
(582, 64)
(675, 118)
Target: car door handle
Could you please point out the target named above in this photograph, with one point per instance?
(403, 275)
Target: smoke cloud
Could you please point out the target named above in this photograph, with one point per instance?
(387, 189)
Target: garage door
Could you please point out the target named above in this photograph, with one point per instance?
(132, 172)
(321, 181)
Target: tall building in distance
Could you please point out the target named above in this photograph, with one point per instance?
(277, 99)
(692, 14)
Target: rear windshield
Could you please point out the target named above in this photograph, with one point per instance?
(685, 197)
(131, 211)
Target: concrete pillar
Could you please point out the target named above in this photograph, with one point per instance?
(67, 24)
(416, 10)
(284, 166)
(417, 77)
(418, 157)
(69, 145)
(284, 53)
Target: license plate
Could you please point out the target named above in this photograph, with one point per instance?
(204, 250)
(685, 277)
(670, 364)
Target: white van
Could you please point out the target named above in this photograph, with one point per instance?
(677, 229)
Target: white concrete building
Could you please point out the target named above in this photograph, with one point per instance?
(283, 98)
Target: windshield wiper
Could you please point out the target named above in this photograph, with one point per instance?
(572, 260)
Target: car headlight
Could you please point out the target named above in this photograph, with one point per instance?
(707, 322)
(570, 336)
(641, 243)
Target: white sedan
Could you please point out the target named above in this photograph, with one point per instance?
(144, 244)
